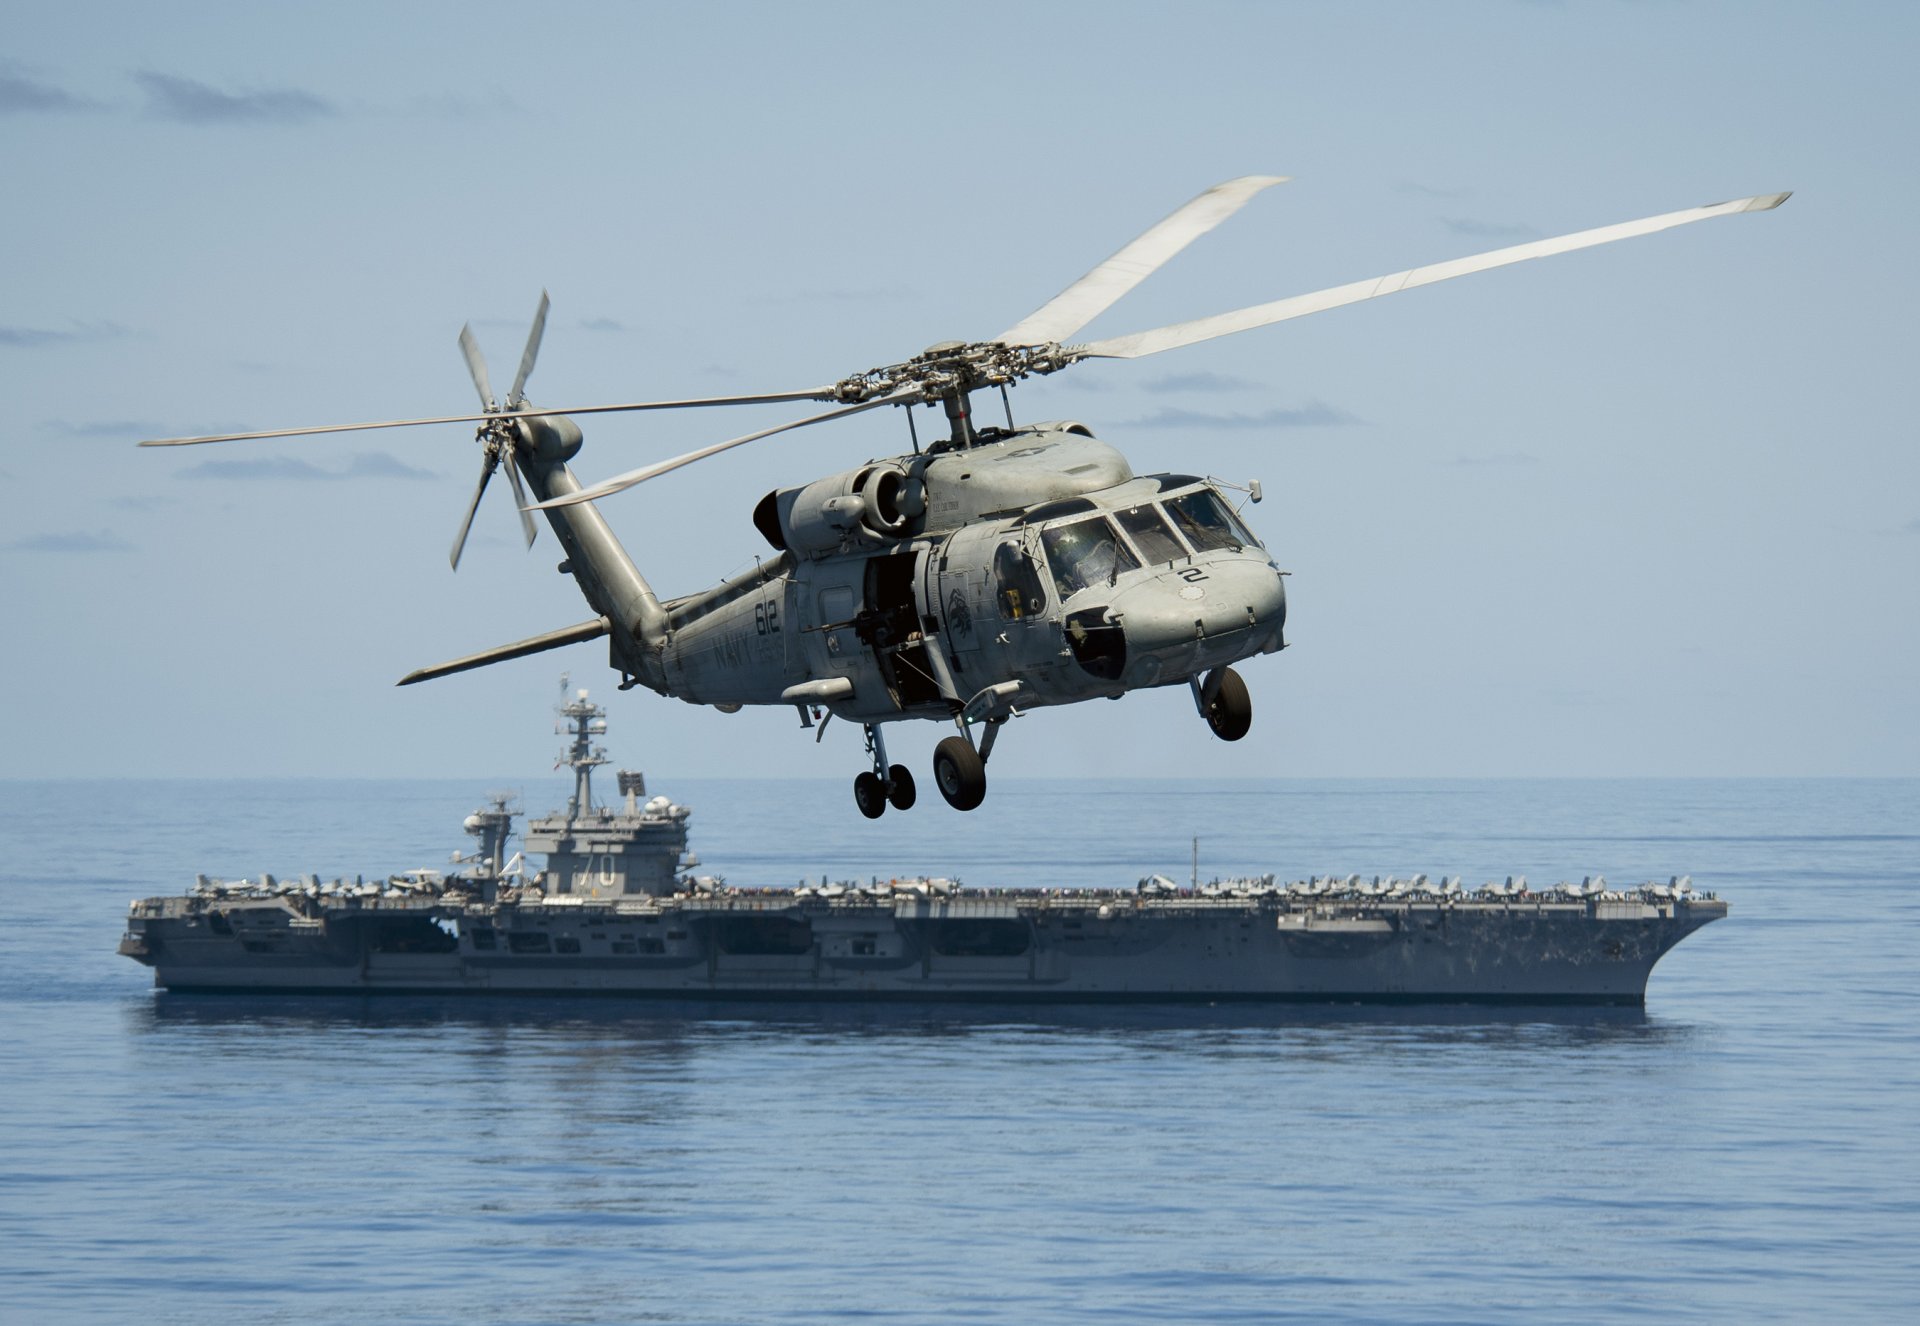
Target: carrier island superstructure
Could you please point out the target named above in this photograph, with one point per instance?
(616, 911)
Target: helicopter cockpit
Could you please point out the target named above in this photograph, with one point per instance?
(1089, 548)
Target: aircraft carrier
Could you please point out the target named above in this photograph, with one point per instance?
(615, 911)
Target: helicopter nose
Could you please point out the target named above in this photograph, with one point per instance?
(1186, 621)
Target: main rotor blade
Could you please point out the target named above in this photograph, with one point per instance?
(619, 482)
(476, 365)
(527, 526)
(460, 539)
(766, 398)
(1260, 315)
(517, 397)
(1097, 291)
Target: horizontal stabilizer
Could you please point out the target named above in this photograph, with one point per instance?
(566, 635)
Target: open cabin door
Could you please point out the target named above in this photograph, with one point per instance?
(891, 626)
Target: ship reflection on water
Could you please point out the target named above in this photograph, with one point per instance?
(685, 1021)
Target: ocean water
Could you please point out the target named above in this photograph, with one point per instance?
(1745, 1149)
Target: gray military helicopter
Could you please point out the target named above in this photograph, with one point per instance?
(991, 571)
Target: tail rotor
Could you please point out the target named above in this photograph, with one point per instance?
(497, 435)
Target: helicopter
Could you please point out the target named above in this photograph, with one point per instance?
(986, 573)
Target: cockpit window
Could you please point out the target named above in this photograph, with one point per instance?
(1017, 588)
(1085, 553)
(1209, 522)
(1150, 534)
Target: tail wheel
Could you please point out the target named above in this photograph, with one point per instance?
(900, 789)
(1229, 709)
(870, 794)
(960, 773)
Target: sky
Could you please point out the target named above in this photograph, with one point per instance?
(1646, 510)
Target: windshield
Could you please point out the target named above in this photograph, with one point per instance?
(1085, 553)
(1151, 535)
(1209, 522)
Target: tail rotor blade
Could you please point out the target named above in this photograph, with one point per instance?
(520, 500)
(460, 540)
(476, 365)
(517, 396)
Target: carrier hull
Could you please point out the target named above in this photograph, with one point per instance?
(1048, 948)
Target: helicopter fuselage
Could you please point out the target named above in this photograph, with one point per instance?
(1029, 569)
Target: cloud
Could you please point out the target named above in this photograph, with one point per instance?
(187, 102)
(20, 95)
(1199, 382)
(1461, 225)
(1428, 190)
(602, 325)
(379, 465)
(104, 428)
(38, 337)
(142, 503)
(1314, 414)
(1493, 458)
(1913, 527)
(366, 465)
(76, 542)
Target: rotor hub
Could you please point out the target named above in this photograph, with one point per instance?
(953, 368)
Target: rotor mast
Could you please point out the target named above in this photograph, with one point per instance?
(950, 373)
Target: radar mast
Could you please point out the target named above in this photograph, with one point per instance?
(584, 721)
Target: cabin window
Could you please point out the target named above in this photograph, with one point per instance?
(566, 944)
(1084, 554)
(483, 937)
(836, 605)
(528, 941)
(1019, 593)
(1150, 534)
(1209, 522)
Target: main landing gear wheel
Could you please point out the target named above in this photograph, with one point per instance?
(900, 789)
(1227, 706)
(870, 794)
(960, 773)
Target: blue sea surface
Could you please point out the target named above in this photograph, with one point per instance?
(1745, 1149)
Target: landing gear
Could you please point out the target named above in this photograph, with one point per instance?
(1224, 703)
(870, 794)
(900, 789)
(884, 784)
(960, 773)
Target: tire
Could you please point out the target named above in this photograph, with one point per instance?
(870, 794)
(901, 793)
(1229, 708)
(959, 773)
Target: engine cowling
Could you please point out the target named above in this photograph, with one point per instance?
(867, 507)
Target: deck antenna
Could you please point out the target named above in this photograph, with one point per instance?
(1196, 865)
